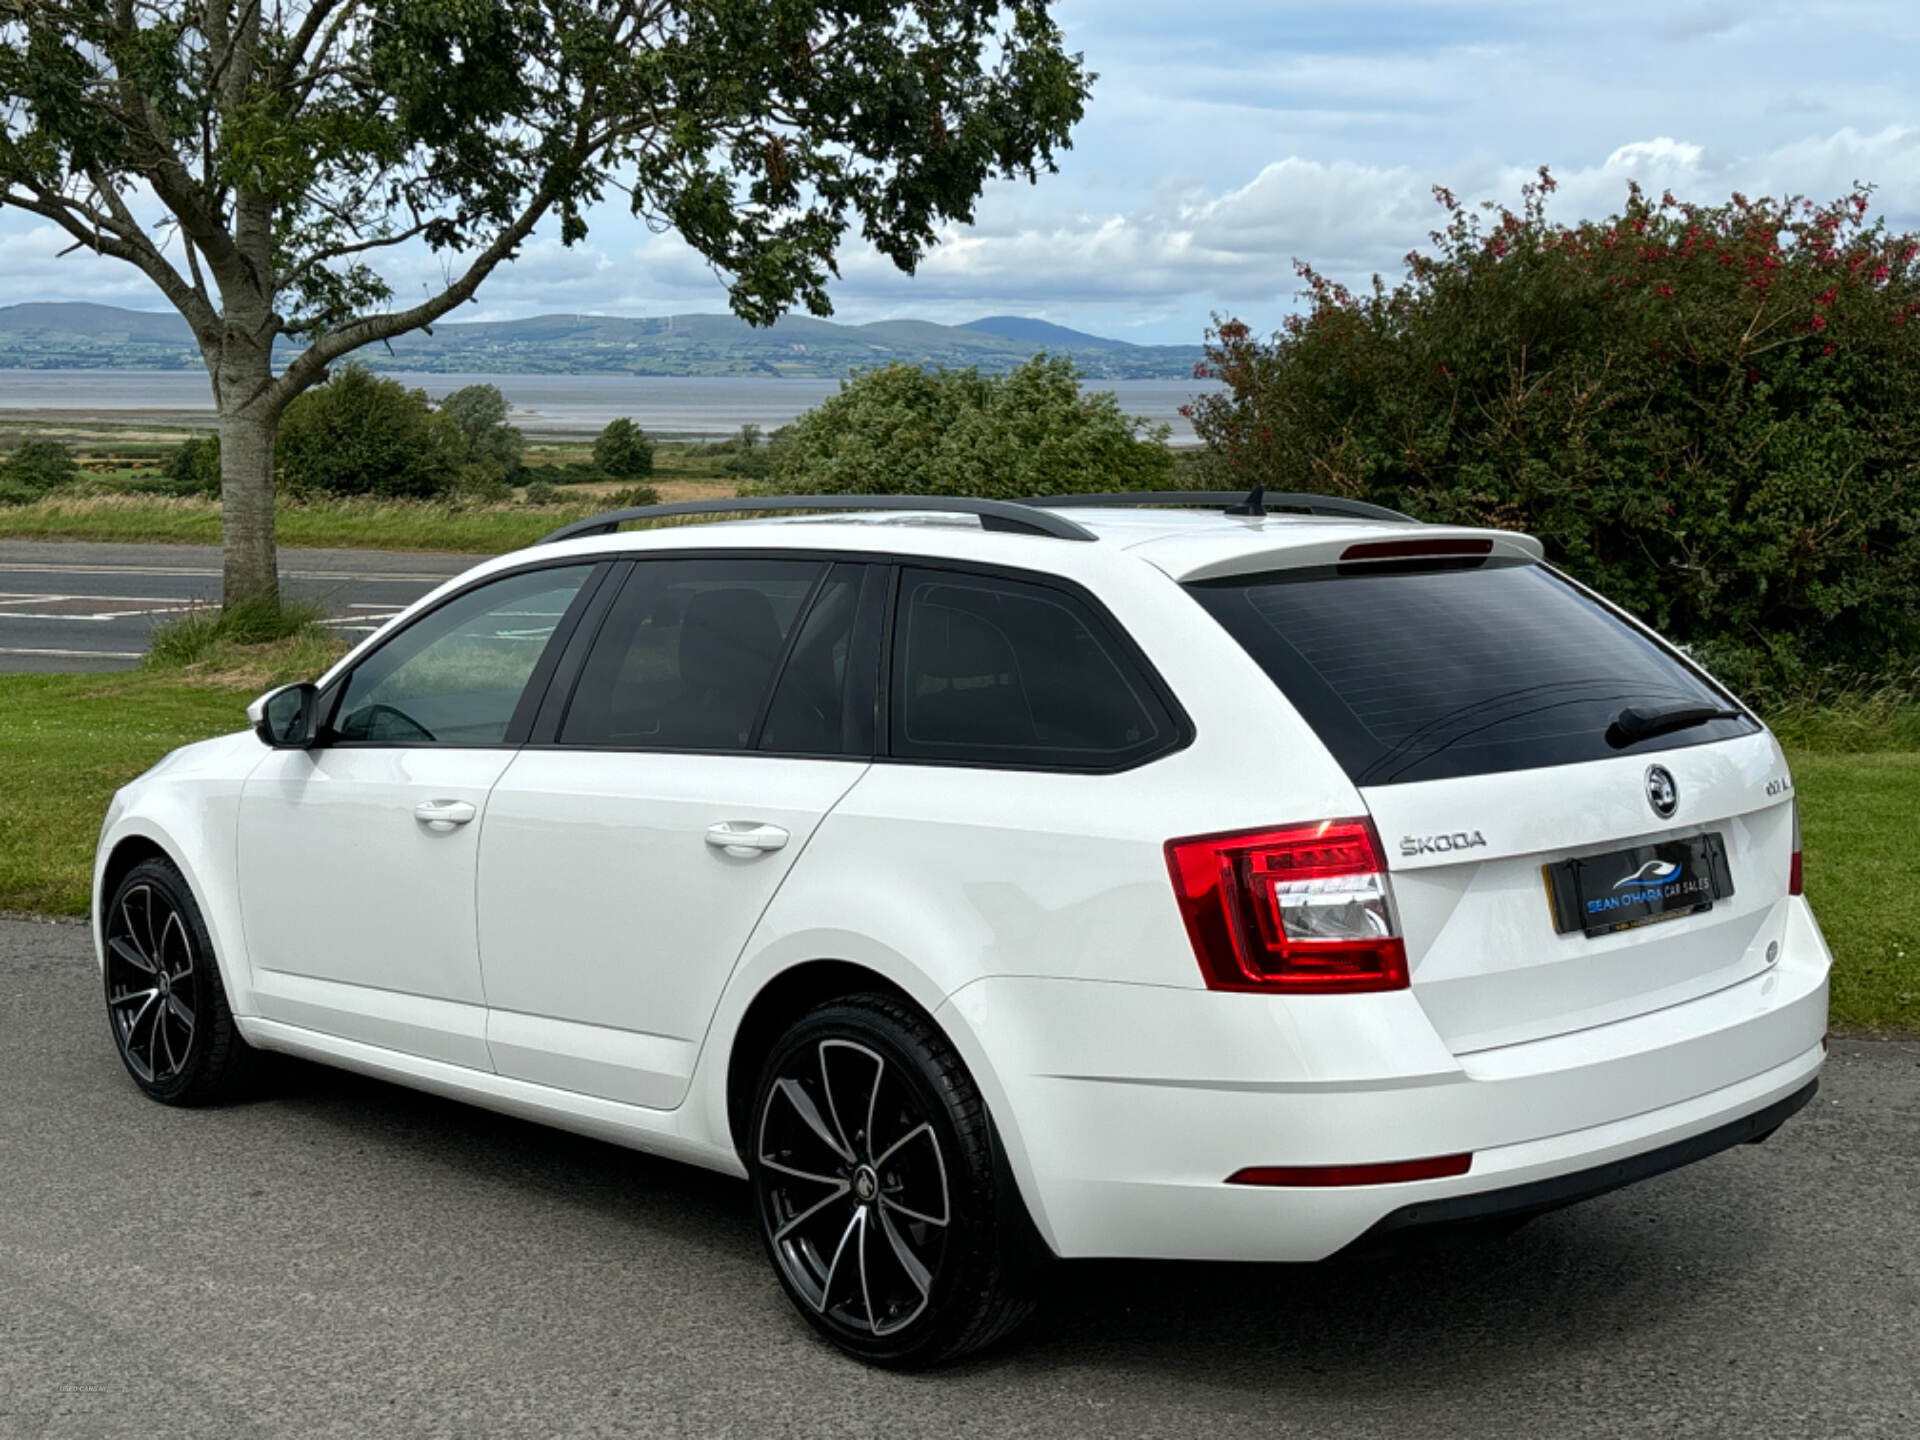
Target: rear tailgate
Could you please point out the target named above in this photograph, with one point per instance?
(1489, 713)
(1490, 963)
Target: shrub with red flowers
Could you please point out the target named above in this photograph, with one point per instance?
(1712, 413)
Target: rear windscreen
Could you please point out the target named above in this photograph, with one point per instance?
(1427, 674)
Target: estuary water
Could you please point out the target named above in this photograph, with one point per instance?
(551, 405)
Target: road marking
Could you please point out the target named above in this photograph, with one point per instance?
(22, 566)
(77, 654)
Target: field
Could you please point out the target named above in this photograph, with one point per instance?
(68, 741)
(116, 462)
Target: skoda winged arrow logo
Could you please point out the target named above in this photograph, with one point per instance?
(1663, 794)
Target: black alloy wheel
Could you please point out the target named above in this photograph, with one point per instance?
(165, 1002)
(880, 1201)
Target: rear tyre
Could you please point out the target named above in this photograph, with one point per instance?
(165, 1004)
(892, 1229)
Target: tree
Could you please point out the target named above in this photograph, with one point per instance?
(363, 434)
(39, 466)
(908, 431)
(1709, 412)
(479, 413)
(288, 142)
(623, 450)
(194, 468)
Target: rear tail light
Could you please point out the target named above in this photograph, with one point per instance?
(1303, 910)
(1794, 886)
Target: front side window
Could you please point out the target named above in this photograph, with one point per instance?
(688, 654)
(455, 676)
(994, 671)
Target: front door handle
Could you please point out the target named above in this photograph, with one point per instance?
(443, 815)
(743, 839)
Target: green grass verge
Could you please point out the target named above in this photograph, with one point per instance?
(67, 742)
(1863, 876)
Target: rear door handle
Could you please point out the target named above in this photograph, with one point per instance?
(744, 839)
(443, 815)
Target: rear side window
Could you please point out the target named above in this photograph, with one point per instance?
(687, 655)
(992, 671)
(1437, 673)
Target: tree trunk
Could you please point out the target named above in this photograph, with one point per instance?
(248, 421)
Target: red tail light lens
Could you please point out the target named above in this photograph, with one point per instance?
(1794, 883)
(1303, 910)
(1393, 1172)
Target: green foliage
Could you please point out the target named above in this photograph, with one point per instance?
(623, 451)
(193, 469)
(542, 492)
(34, 469)
(360, 434)
(200, 635)
(1710, 413)
(634, 495)
(479, 414)
(907, 431)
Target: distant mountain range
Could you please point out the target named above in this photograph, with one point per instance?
(96, 337)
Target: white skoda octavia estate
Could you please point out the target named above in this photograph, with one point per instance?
(1155, 876)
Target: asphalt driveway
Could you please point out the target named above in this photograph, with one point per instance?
(348, 1258)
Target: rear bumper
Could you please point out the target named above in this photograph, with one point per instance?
(1125, 1107)
(1539, 1196)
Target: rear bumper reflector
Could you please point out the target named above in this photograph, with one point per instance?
(1393, 1172)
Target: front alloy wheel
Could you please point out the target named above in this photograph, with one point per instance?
(165, 1002)
(879, 1199)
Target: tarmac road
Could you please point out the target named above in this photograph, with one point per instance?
(345, 1258)
(85, 606)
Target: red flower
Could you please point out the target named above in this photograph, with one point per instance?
(1665, 292)
(1819, 322)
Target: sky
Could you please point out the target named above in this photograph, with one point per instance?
(1225, 140)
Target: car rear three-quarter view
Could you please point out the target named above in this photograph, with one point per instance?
(991, 883)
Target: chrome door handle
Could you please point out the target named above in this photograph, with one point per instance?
(743, 839)
(443, 815)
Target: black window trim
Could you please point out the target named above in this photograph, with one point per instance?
(524, 708)
(1125, 647)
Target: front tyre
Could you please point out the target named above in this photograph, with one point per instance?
(165, 1003)
(882, 1209)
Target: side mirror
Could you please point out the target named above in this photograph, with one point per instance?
(285, 718)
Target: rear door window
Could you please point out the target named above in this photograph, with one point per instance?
(1427, 674)
(996, 671)
(687, 655)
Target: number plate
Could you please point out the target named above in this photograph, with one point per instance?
(1639, 885)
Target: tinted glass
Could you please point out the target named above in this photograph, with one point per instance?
(455, 676)
(1001, 672)
(687, 654)
(1429, 674)
(813, 710)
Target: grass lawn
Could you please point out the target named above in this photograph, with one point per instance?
(336, 524)
(67, 742)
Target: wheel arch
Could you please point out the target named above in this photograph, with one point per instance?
(137, 839)
(777, 999)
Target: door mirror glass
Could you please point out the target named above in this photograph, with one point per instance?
(284, 718)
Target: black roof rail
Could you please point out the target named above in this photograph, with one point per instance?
(1004, 515)
(1234, 501)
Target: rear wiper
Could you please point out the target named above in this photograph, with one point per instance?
(1634, 723)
